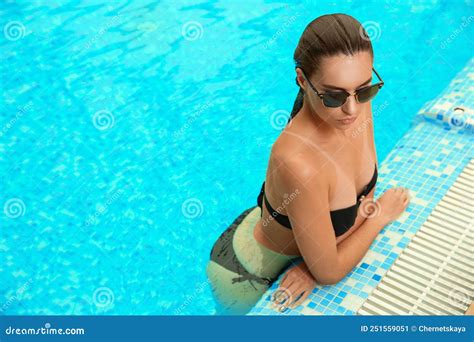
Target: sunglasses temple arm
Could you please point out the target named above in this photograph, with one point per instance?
(376, 73)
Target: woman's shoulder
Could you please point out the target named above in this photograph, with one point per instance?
(294, 163)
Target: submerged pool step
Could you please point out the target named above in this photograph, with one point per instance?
(434, 275)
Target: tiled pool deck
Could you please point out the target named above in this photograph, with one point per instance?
(427, 160)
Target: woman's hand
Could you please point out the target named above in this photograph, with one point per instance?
(295, 286)
(392, 204)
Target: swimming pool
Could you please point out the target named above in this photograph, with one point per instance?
(132, 135)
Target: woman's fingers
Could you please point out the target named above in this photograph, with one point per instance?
(285, 281)
(290, 295)
(279, 295)
(299, 291)
(301, 299)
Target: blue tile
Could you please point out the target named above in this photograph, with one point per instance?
(376, 277)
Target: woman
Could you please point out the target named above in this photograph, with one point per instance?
(317, 200)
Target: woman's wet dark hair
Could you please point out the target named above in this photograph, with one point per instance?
(326, 36)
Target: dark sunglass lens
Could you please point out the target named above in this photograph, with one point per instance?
(368, 93)
(334, 100)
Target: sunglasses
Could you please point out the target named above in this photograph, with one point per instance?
(334, 99)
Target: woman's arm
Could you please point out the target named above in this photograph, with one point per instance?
(309, 215)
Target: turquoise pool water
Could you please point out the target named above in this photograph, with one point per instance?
(132, 134)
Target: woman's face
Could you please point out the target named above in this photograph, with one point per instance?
(339, 73)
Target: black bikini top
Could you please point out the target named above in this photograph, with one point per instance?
(342, 219)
